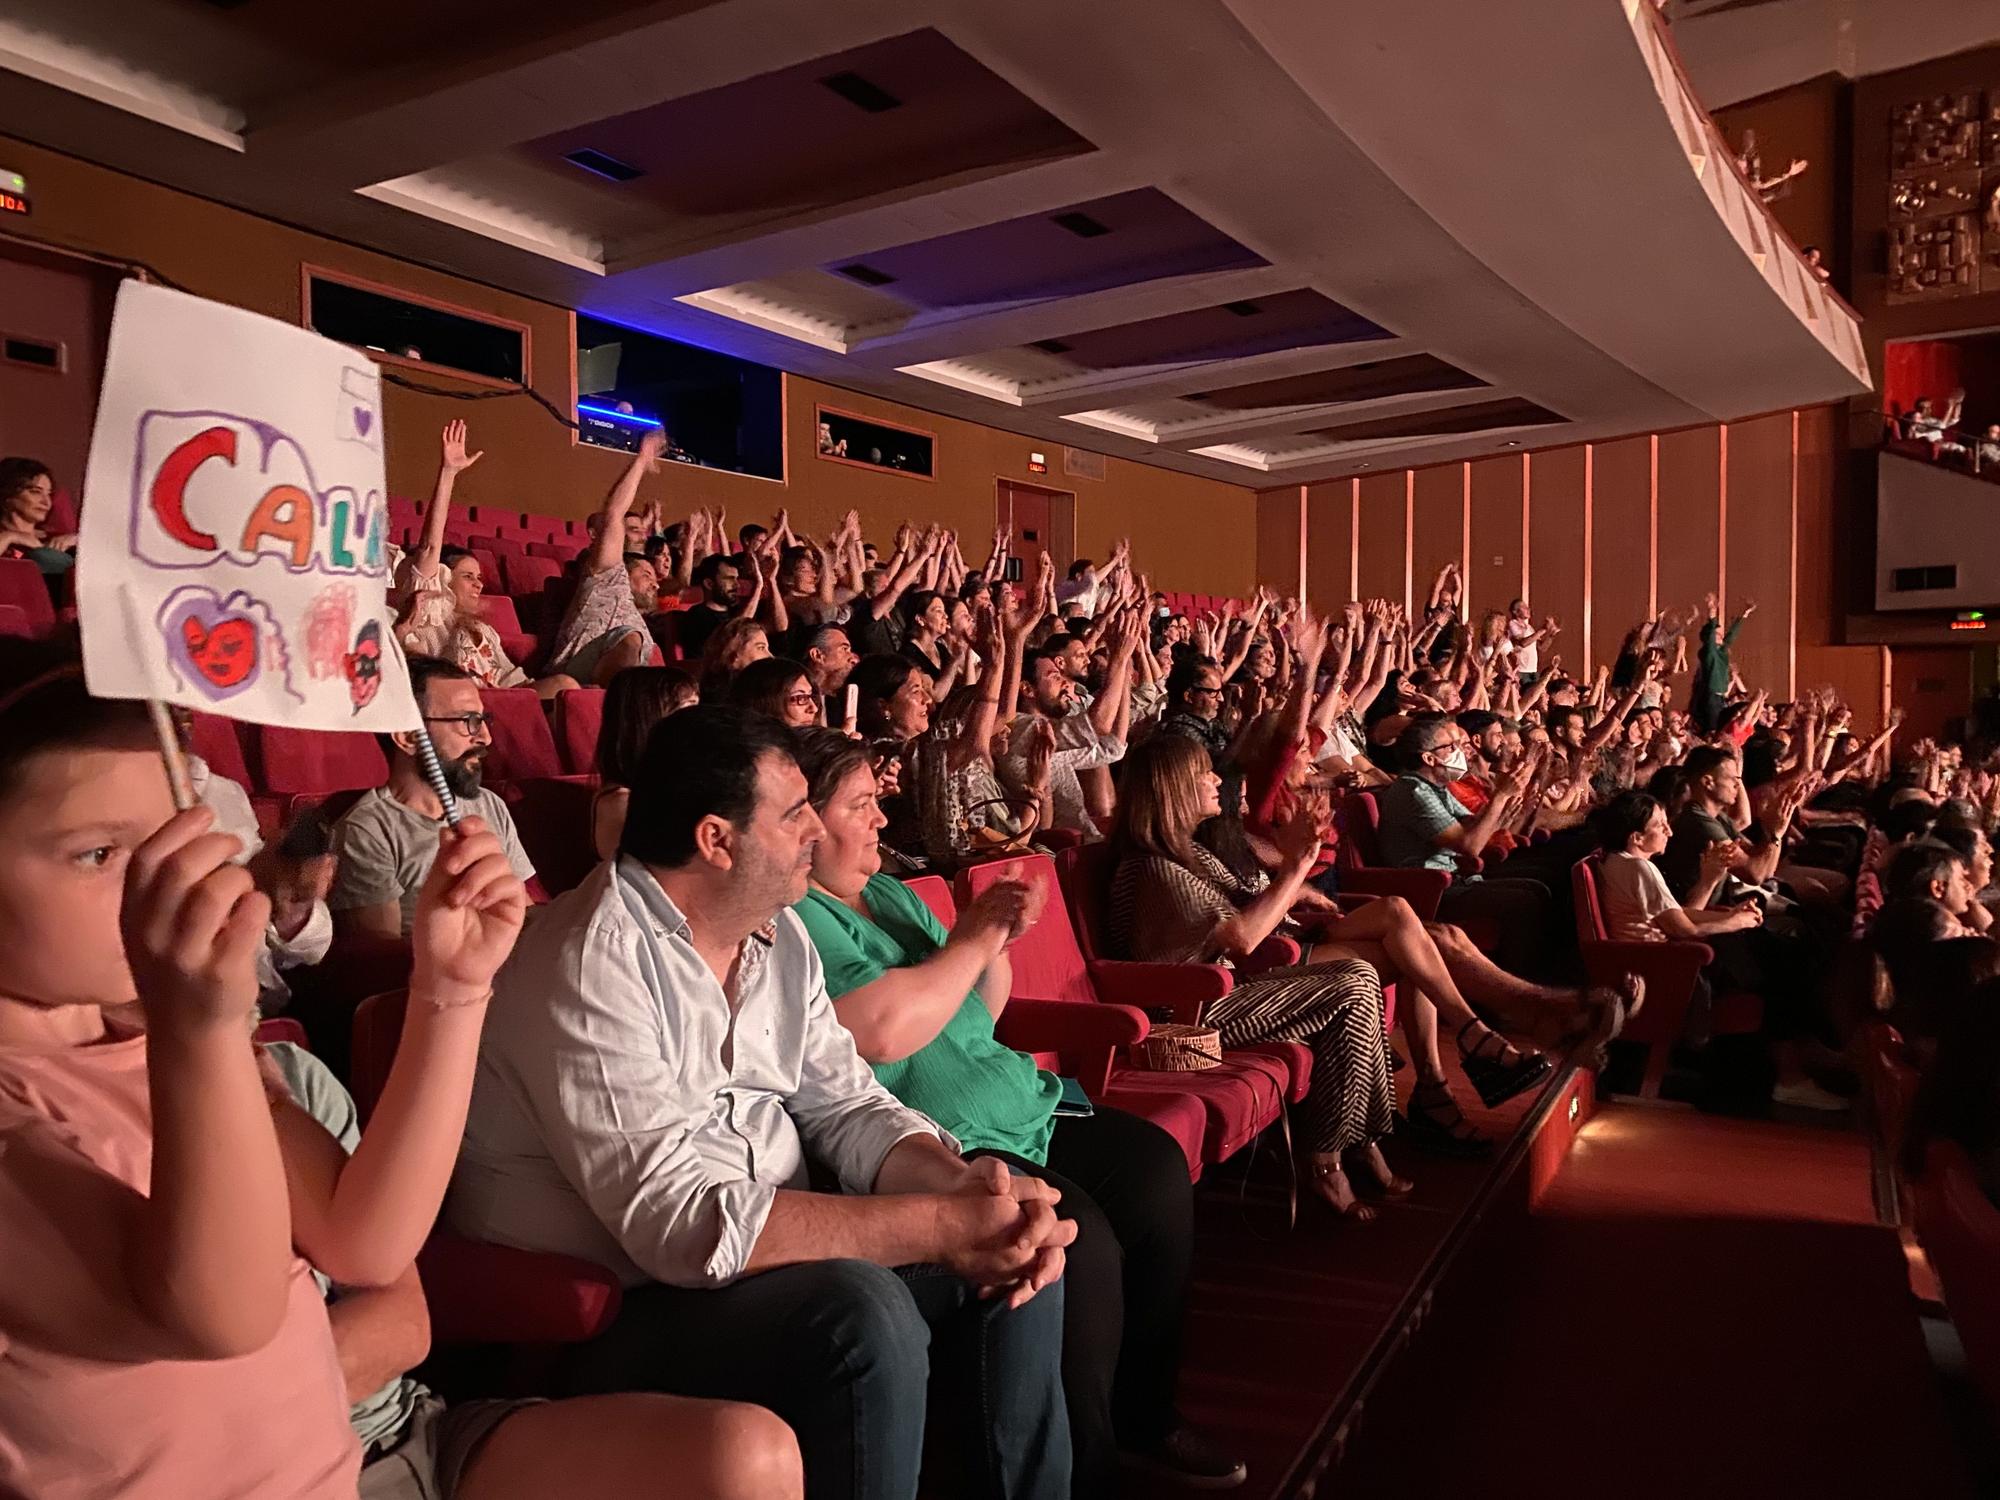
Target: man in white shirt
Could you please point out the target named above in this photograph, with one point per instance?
(387, 841)
(662, 1068)
(1527, 641)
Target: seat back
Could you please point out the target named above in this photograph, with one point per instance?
(282, 1029)
(1359, 819)
(378, 1027)
(1085, 872)
(14, 622)
(523, 748)
(1586, 899)
(552, 817)
(318, 761)
(498, 611)
(579, 715)
(1891, 1082)
(1959, 1228)
(219, 742)
(531, 575)
(1048, 962)
(21, 585)
(935, 892)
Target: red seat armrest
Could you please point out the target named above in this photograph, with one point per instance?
(1085, 1037)
(1276, 952)
(1423, 889)
(1181, 989)
(1668, 968)
(495, 1294)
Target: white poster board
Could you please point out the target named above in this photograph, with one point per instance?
(232, 555)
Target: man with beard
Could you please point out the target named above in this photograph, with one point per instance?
(388, 839)
(661, 1073)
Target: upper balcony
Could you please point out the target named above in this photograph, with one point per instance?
(1258, 240)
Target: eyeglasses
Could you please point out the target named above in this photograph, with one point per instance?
(468, 724)
(1204, 692)
(805, 699)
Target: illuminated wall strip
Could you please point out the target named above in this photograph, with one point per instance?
(1653, 525)
(1525, 503)
(1409, 538)
(1589, 480)
(1354, 538)
(1792, 589)
(1722, 515)
(1305, 541)
(1465, 568)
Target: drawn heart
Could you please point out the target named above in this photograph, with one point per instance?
(225, 654)
(363, 420)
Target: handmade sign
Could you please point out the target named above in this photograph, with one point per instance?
(232, 555)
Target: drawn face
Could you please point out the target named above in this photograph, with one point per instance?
(214, 641)
(364, 666)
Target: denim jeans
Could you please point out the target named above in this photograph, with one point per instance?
(853, 1356)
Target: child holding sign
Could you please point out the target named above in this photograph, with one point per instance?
(162, 1334)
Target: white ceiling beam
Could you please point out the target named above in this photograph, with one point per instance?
(1235, 427)
(93, 74)
(404, 120)
(673, 263)
(932, 336)
(1143, 383)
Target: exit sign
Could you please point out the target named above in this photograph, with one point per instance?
(13, 192)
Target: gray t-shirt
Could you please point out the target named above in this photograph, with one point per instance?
(378, 1420)
(386, 850)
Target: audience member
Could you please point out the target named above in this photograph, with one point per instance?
(611, 1120)
(921, 1003)
(603, 631)
(388, 840)
(638, 698)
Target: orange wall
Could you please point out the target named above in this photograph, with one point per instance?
(1602, 530)
(1188, 533)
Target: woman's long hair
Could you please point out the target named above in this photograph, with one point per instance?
(636, 699)
(716, 673)
(1159, 798)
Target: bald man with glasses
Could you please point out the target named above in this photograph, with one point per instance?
(1423, 826)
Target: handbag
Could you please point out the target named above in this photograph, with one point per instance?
(1172, 1047)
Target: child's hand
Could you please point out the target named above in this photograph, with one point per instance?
(193, 925)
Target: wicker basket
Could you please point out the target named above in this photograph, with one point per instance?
(1173, 1048)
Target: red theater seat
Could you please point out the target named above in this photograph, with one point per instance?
(1959, 1228)
(552, 815)
(1086, 870)
(498, 611)
(315, 762)
(1669, 969)
(531, 575)
(219, 741)
(480, 1293)
(14, 622)
(21, 585)
(1239, 1098)
(523, 748)
(579, 714)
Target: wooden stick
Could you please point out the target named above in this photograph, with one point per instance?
(178, 777)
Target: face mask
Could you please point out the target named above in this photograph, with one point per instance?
(1454, 764)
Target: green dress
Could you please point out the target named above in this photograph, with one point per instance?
(989, 1096)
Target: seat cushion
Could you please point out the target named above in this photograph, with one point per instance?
(1180, 1115)
(1239, 1097)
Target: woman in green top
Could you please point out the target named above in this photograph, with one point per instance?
(921, 1003)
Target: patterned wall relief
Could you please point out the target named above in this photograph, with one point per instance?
(1944, 196)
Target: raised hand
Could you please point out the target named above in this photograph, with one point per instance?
(468, 915)
(193, 925)
(454, 458)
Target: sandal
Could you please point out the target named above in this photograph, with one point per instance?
(1434, 1123)
(1322, 1173)
(1488, 1071)
(1377, 1179)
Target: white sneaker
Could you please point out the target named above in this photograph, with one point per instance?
(1805, 1094)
